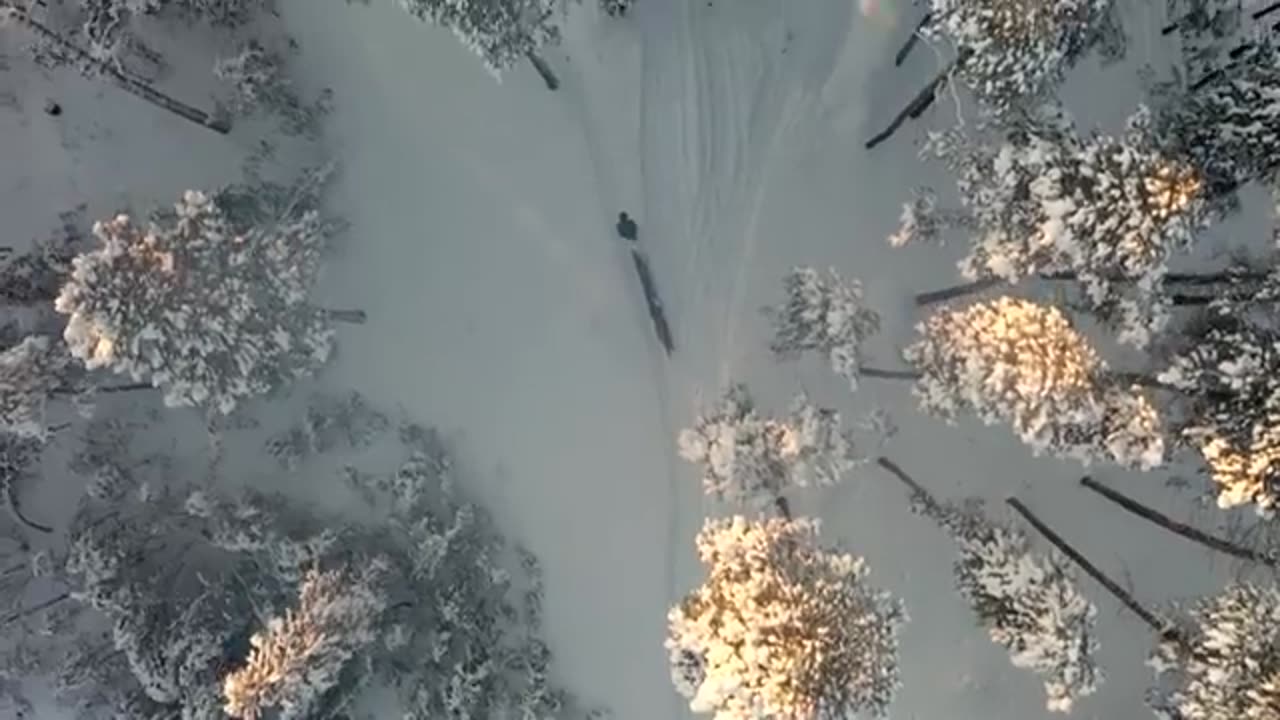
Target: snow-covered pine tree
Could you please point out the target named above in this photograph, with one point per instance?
(1228, 375)
(1225, 662)
(300, 656)
(501, 32)
(746, 458)
(1109, 211)
(210, 315)
(824, 314)
(1015, 51)
(29, 373)
(257, 78)
(469, 647)
(1226, 123)
(783, 627)
(1012, 360)
(172, 640)
(34, 277)
(1029, 603)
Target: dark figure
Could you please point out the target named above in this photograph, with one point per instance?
(52, 108)
(627, 227)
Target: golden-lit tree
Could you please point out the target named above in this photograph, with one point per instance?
(300, 655)
(782, 627)
(1013, 360)
(1106, 212)
(1228, 378)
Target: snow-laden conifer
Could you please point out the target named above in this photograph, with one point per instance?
(298, 657)
(783, 627)
(210, 315)
(825, 314)
(1014, 51)
(1224, 664)
(751, 459)
(501, 32)
(1227, 122)
(1012, 360)
(1228, 375)
(29, 373)
(1109, 211)
(1028, 602)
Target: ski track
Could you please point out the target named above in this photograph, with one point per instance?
(607, 185)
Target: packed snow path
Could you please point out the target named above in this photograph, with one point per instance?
(504, 309)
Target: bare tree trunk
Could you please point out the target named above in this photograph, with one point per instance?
(924, 97)
(355, 317)
(905, 50)
(950, 293)
(1178, 528)
(125, 387)
(548, 77)
(1111, 586)
(889, 374)
(1188, 279)
(917, 105)
(932, 507)
(15, 616)
(124, 82)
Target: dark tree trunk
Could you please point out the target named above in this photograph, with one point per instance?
(905, 50)
(1111, 586)
(1178, 528)
(932, 507)
(126, 387)
(950, 293)
(548, 77)
(126, 83)
(18, 615)
(917, 105)
(355, 317)
(889, 374)
(1186, 279)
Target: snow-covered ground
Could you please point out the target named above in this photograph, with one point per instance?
(504, 309)
(502, 305)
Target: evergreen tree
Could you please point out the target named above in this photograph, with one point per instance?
(209, 314)
(1109, 211)
(501, 32)
(823, 314)
(783, 627)
(300, 656)
(1011, 360)
(746, 458)
(1028, 603)
(1015, 51)
(1225, 662)
(1228, 375)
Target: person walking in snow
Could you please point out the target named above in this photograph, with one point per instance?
(627, 227)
